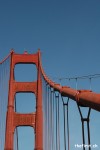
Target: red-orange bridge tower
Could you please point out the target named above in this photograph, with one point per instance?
(35, 119)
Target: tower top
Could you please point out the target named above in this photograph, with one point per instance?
(25, 52)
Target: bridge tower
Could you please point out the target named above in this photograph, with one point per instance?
(14, 119)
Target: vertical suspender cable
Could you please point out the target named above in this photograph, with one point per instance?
(53, 120)
(68, 124)
(83, 135)
(90, 83)
(44, 113)
(46, 138)
(45, 116)
(48, 118)
(87, 120)
(64, 127)
(49, 121)
(1, 110)
(76, 84)
(4, 82)
(16, 128)
(52, 127)
(88, 128)
(65, 105)
(58, 125)
(56, 121)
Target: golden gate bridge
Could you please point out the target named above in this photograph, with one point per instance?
(52, 107)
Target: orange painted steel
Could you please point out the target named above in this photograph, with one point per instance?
(24, 119)
(83, 97)
(15, 119)
(35, 120)
(39, 111)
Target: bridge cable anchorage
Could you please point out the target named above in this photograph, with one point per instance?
(66, 111)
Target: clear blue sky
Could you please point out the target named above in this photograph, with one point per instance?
(67, 32)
